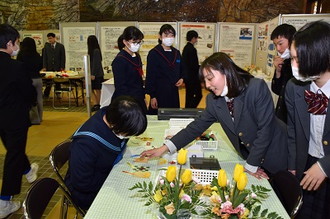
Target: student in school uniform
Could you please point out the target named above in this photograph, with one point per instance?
(307, 99)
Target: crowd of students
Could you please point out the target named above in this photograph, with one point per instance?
(294, 137)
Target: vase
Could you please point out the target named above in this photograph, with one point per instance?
(181, 214)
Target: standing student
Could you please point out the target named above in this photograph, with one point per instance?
(33, 62)
(99, 144)
(190, 71)
(164, 74)
(243, 106)
(309, 117)
(17, 95)
(127, 66)
(282, 38)
(53, 55)
(97, 74)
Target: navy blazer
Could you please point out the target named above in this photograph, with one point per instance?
(255, 125)
(299, 128)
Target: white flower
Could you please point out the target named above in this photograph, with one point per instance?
(172, 185)
(253, 195)
(161, 181)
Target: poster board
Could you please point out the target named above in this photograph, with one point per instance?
(207, 33)
(299, 20)
(238, 41)
(151, 35)
(265, 48)
(74, 38)
(108, 33)
(37, 35)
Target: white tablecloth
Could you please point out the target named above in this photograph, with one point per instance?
(108, 88)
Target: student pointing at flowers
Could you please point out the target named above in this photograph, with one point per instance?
(244, 107)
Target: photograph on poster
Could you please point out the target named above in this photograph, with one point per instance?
(246, 33)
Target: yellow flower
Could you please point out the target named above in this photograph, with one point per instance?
(198, 187)
(158, 196)
(207, 190)
(222, 178)
(237, 171)
(171, 173)
(181, 193)
(170, 208)
(186, 177)
(182, 156)
(242, 181)
(245, 214)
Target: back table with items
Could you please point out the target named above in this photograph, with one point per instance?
(114, 200)
(75, 77)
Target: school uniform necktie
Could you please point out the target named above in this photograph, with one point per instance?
(317, 102)
(230, 105)
(53, 46)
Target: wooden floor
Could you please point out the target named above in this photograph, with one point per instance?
(55, 128)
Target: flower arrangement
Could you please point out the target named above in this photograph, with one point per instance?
(252, 69)
(175, 194)
(230, 200)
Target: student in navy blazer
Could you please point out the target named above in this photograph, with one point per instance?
(309, 124)
(256, 134)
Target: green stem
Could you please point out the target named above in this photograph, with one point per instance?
(177, 190)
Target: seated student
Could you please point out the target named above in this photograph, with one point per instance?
(244, 107)
(308, 117)
(99, 144)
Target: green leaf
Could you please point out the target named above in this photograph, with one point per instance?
(264, 213)
(239, 199)
(256, 210)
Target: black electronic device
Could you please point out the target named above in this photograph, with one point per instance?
(168, 113)
(204, 163)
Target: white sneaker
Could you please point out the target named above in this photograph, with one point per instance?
(31, 176)
(8, 207)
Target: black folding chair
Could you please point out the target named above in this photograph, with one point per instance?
(39, 196)
(58, 158)
(288, 190)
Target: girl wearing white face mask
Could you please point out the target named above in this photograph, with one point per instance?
(308, 117)
(244, 107)
(164, 72)
(127, 66)
(282, 38)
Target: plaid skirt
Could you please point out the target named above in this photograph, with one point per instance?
(316, 204)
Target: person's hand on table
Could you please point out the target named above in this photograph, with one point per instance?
(259, 174)
(157, 152)
(92, 77)
(313, 178)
